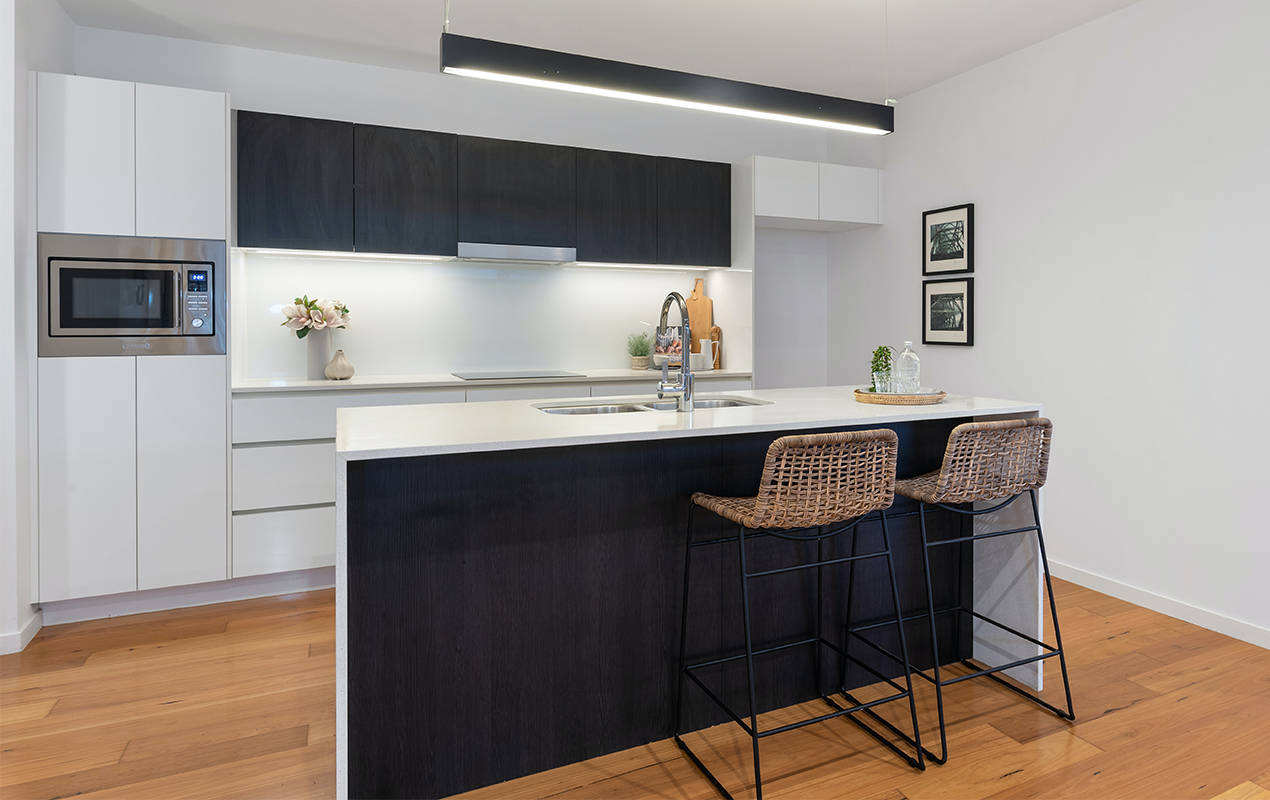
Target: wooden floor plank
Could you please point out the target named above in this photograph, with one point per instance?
(1248, 790)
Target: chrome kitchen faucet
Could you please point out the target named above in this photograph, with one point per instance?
(681, 390)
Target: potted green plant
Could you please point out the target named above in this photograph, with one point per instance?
(638, 346)
(880, 369)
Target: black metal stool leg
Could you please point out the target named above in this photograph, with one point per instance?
(1049, 588)
(749, 662)
(899, 624)
(846, 637)
(934, 640)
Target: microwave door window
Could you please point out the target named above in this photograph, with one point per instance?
(116, 299)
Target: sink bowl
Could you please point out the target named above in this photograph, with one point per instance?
(615, 409)
(654, 405)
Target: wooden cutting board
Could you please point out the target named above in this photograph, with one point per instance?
(700, 314)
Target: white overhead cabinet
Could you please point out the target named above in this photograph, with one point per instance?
(807, 195)
(85, 155)
(132, 473)
(130, 159)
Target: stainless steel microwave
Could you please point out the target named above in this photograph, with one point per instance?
(130, 295)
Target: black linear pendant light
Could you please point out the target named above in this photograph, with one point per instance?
(513, 63)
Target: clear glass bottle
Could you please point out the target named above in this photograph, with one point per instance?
(908, 371)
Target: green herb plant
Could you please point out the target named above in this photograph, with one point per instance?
(881, 363)
(639, 345)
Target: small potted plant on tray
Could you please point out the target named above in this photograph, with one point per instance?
(639, 345)
(880, 368)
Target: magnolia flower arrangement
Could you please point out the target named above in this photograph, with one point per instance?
(315, 315)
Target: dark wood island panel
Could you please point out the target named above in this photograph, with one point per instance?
(514, 611)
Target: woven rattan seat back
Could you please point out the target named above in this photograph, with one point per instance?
(823, 478)
(993, 460)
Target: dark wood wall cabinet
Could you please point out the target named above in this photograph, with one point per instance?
(617, 207)
(516, 193)
(312, 184)
(405, 191)
(295, 182)
(694, 213)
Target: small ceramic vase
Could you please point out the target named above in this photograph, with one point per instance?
(339, 369)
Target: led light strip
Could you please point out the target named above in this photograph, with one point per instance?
(661, 101)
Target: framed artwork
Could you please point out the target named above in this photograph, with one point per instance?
(948, 240)
(948, 311)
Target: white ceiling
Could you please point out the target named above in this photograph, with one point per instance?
(834, 47)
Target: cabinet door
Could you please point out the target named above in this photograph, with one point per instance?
(617, 207)
(785, 188)
(181, 162)
(182, 488)
(848, 194)
(85, 155)
(694, 213)
(88, 477)
(405, 191)
(517, 193)
(295, 182)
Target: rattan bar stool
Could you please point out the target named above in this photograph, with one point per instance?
(813, 487)
(994, 462)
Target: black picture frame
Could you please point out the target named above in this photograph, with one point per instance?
(948, 240)
(948, 320)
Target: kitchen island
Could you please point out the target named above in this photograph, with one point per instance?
(509, 580)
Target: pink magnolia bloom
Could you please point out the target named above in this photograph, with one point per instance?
(297, 317)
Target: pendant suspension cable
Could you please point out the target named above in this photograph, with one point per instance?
(445, 27)
(886, 52)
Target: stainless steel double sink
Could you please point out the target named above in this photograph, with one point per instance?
(628, 407)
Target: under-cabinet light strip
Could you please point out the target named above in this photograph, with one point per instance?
(345, 255)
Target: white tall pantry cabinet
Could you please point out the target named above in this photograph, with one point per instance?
(133, 450)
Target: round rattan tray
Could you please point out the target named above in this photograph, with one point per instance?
(923, 399)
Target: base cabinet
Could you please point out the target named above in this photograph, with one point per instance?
(88, 477)
(282, 541)
(182, 479)
(133, 474)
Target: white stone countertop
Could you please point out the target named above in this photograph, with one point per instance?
(447, 381)
(399, 431)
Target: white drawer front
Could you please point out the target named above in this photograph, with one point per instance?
(272, 476)
(549, 392)
(282, 418)
(282, 541)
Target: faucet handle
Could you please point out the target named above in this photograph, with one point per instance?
(665, 370)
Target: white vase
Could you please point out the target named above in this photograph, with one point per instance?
(339, 369)
(319, 353)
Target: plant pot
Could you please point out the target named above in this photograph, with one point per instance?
(639, 362)
(319, 343)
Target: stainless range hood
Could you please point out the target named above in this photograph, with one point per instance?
(483, 251)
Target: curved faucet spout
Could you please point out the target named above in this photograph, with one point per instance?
(682, 388)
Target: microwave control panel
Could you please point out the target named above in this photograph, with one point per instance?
(198, 299)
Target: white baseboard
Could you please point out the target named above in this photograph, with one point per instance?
(1239, 629)
(16, 641)
(117, 605)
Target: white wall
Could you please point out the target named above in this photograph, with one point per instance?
(412, 317)
(789, 297)
(1119, 174)
(259, 80)
(34, 34)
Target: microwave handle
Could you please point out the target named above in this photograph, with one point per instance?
(178, 297)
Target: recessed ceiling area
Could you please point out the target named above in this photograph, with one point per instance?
(862, 49)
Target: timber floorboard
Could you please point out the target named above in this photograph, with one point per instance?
(237, 701)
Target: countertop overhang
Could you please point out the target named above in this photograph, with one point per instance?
(438, 429)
